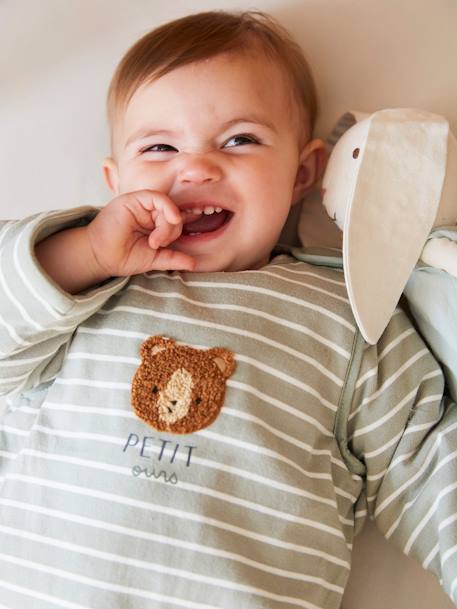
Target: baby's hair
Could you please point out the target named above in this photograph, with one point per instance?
(203, 35)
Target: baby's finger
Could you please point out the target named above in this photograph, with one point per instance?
(164, 233)
(159, 201)
(172, 260)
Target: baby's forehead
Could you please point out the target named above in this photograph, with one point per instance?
(224, 84)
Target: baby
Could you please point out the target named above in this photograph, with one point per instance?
(194, 419)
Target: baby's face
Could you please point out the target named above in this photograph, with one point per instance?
(219, 133)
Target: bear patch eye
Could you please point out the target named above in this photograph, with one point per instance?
(198, 400)
(155, 389)
(355, 153)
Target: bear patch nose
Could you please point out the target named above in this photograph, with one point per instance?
(174, 402)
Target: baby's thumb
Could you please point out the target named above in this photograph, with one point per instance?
(171, 260)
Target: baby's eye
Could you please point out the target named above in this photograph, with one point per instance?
(244, 139)
(159, 148)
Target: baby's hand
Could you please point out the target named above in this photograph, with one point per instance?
(130, 235)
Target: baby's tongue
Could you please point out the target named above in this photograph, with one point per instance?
(205, 223)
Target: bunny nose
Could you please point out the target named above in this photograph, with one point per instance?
(174, 402)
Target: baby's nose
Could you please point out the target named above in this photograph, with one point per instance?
(198, 169)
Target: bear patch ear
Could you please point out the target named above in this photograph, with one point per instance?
(155, 344)
(224, 360)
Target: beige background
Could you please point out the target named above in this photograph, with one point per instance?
(56, 59)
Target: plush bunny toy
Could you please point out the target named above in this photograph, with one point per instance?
(391, 178)
(391, 187)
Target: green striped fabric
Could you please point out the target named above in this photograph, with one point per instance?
(318, 431)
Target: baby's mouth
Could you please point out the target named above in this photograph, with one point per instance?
(197, 223)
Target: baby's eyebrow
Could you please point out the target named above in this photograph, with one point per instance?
(148, 132)
(252, 118)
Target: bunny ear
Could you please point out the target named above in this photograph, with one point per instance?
(395, 202)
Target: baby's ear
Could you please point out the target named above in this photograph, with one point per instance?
(111, 174)
(312, 163)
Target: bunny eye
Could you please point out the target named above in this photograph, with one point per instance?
(198, 400)
(355, 153)
(155, 389)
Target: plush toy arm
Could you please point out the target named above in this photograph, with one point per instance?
(441, 253)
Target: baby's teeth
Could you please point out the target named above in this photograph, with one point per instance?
(208, 210)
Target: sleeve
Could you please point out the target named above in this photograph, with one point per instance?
(401, 431)
(37, 317)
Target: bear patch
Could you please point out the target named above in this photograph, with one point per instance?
(179, 389)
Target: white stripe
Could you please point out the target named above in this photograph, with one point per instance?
(410, 430)
(400, 338)
(195, 488)
(308, 286)
(268, 482)
(280, 405)
(99, 584)
(13, 379)
(235, 384)
(114, 332)
(89, 383)
(288, 379)
(452, 588)
(158, 568)
(428, 559)
(4, 230)
(13, 334)
(429, 457)
(249, 310)
(7, 455)
(445, 491)
(384, 446)
(100, 293)
(394, 377)
(248, 288)
(262, 450)
(363, 430)
(13, 430)
(180, 515)
(44, 597)
(113, 412)
(230, 330)
(101, 410)
(101, 357)
(173, 542)
(36, 295)
(448, 554)
(270, 370)
(13, 299)
(387, 349)
(28, 360)
(287, 269)
(419, 473)
(391, 380)
(214, 436)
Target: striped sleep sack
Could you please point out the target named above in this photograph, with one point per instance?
(314, 432)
